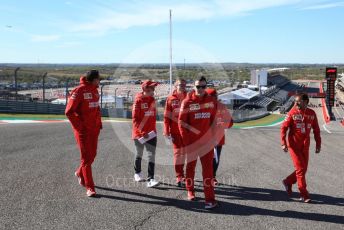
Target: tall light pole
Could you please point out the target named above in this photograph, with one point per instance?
(101, 95)
(43, 84)
(116, 97)
(67, 92)
(128, 99)
(16, 81)
(170, 51)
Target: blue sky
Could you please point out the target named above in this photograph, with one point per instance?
(137, 31)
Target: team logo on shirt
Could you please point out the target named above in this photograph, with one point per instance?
(297, 117)
(149, 113)
(209, 105)
(144, 106)
(87, 96)
(175, 103)
(194, 107)
(202, 115)
(177, 110)
(93, 104)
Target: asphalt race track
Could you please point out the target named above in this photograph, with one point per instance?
(39, 190)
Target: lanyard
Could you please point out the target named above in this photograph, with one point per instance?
(302, 115)
(304, 125)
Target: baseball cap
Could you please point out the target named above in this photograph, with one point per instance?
(149, 83)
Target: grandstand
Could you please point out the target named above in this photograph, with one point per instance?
(340, 84)
(287, 106)
(276, 95)
(277, 80)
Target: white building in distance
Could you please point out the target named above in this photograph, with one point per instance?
(259, 77)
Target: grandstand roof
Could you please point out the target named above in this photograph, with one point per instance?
(241, 94)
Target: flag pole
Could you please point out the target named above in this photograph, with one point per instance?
(170, 51)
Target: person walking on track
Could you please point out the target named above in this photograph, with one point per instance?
(223, 121)
(84, 114)
(144, 131)
(171, 130)
(299, 121)
(196, 125)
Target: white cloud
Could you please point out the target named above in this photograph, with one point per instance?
(44, 38)
(70, 44)
(150, 13)
(229, 8)
(145, 16)
(324, 6)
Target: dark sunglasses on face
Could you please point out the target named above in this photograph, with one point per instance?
(201, 86)
(149, 89)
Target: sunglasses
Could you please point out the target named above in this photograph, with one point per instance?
(149, 88)
(201, 86)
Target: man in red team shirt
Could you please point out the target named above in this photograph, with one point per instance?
(84, 114)
(223, 121)
(299, 121)
(196, 125)
(171, 129)
(144, 123)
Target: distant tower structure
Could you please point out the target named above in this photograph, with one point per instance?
(259, 77)
(260, 91)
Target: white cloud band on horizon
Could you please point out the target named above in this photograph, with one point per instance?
(324, 6)
(44, 38)
(152, 14)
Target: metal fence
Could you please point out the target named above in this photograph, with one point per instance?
(25, 107)
(248, 114)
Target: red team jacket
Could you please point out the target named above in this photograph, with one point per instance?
(299, 124)
(171, 113)
(223, 121)
(144, 115)
(196, 119)
(83, 107)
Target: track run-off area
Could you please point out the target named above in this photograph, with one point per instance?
(39, 190)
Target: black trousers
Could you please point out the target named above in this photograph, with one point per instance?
(216, 164)
(150, 148)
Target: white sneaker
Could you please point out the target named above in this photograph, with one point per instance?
(152, 183)
(211, 205)
(91, 193)
(138, 177)
(80, 180)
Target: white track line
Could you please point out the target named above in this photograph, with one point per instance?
(324, 126)
(262, 126)
(31, 121)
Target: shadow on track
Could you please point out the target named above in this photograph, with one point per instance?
(262, 194)
(236, 193)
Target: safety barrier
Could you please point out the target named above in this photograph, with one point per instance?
(323, 105)
(248, 115)
(26, 107)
